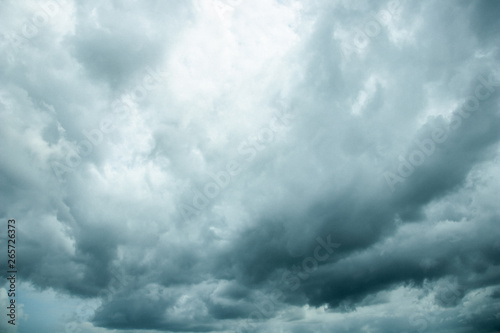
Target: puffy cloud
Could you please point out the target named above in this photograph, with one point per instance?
(254, 166)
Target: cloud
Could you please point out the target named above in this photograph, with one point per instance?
(231, 166)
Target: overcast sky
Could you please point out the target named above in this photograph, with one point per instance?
(251, 165)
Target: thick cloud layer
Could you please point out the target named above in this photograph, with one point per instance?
(252, 166)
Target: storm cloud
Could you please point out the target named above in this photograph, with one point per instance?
(252, 166)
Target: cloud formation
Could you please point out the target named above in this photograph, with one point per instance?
(237, 166)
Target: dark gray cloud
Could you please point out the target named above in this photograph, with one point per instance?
(230, 166)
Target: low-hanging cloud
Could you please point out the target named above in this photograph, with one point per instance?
(234, 166)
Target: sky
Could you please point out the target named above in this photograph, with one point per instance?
(251, 166)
